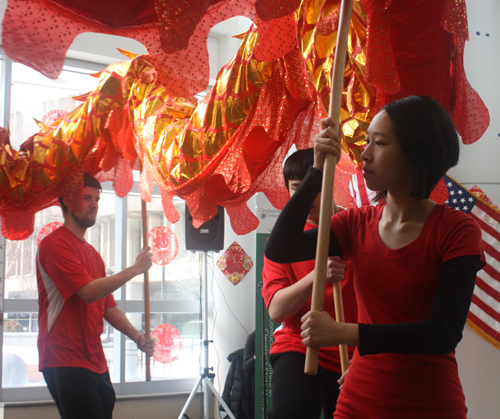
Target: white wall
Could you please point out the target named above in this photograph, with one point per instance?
(235, 305)
(479, 361)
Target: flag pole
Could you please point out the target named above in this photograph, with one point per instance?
(318, 292)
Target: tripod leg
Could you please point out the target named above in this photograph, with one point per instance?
(191, 397)
(219, 398)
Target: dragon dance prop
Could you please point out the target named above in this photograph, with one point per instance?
(231, 144)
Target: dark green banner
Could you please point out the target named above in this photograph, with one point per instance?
(264, 328)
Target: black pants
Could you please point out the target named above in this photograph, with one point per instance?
(296, 395)
(80, 393)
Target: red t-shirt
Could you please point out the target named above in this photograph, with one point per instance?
(287, 336)
(70, 330)
(399, 286)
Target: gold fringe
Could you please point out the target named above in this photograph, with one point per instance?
(483, 334)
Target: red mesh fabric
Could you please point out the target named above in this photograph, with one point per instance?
(168, 206)
(380, 71)
(422, 57)
(470, 115)
(405, 58)
(177, 22)
(38, 33)
(454, 18)
(114, 13)
(186, 72)
(440, 192)
(277, 38)
(121, 176)
(274, 9)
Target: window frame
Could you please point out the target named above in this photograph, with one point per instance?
(122, 388)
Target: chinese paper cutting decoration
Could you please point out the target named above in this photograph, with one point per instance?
(168, 343)
(164, 245)
(235, 263)
(52, 116)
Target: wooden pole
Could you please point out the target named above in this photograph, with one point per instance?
(318, 292)
(147, 310)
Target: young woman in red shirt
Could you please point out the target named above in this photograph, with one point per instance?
(414, 263)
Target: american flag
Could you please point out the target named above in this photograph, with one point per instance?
(484, 314)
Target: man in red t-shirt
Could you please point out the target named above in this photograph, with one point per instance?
(287, 290)
(74, 297)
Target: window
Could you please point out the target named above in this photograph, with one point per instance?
(20, 353)
(174, 296)
(34, 96)
(174, 288)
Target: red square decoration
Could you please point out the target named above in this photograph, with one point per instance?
(235, 263)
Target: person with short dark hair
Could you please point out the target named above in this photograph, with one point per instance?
(414, 261)
(75, 295)
(88, 181)
(287, 290)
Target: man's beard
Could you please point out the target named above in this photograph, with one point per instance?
(85, 222)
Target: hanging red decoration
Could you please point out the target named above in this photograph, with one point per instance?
(235, 263)
(52, 116)
(168, 343)
(164, 245)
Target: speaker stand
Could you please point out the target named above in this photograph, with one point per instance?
(206, 377)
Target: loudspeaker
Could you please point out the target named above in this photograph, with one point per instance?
(210, 235)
